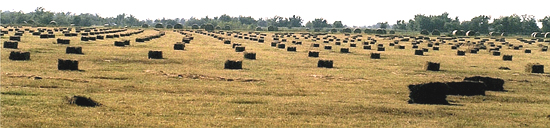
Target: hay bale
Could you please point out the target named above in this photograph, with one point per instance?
(169, 27)
(325, 63)
(291, 49)
(458, 33)
(313, 53)
(179, 46)
(435, 48)
(155, 55)
(178, 26)
(84, 38)
(431, 66)
(460, 53)
(194, 26)
(357, 30)
(281, 46)
(250, 55)
(344, 50)
(534, 68)
(63, 41)
(159, 25)
(16, 38)
(436, 32)
(507, 57)
(328, 47)
(424, 32)
(11, 44)
(375, 55)
(493, 84)
(120, 43)
(73, 50)
(418, 52)
(233, 64)
(346, 30)
(470, 33)
(227, 42)
(367, 47)
(82, 101)
(18, 55)
(428, 93)
(239, 49)
(466, 88)
(67, 64)
(381, 31)
(496, 53)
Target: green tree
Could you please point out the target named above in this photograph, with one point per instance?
(529, 24)
(319, 23)
(545, 24)
(510, 24)
(337, 24)
(383, 25)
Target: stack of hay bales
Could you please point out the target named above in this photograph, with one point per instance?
(18, 55)
(534, 68)
(155, 54)
(239, 48)
(11, 44)
(73, 50)
(63, 64)
(250, 55)
(375, 55)
(325, 63)
(313, 53)
(179, 46)
(429, 93)
(233, 64)
(432, 66)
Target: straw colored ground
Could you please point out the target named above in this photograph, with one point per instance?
(279, 89)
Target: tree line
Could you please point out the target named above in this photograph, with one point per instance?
(513, 24)
(41, 17)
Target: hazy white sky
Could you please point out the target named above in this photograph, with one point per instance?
(350, 12)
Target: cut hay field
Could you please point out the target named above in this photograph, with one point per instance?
(191, 88)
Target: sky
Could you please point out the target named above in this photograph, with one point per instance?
(350, 12)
